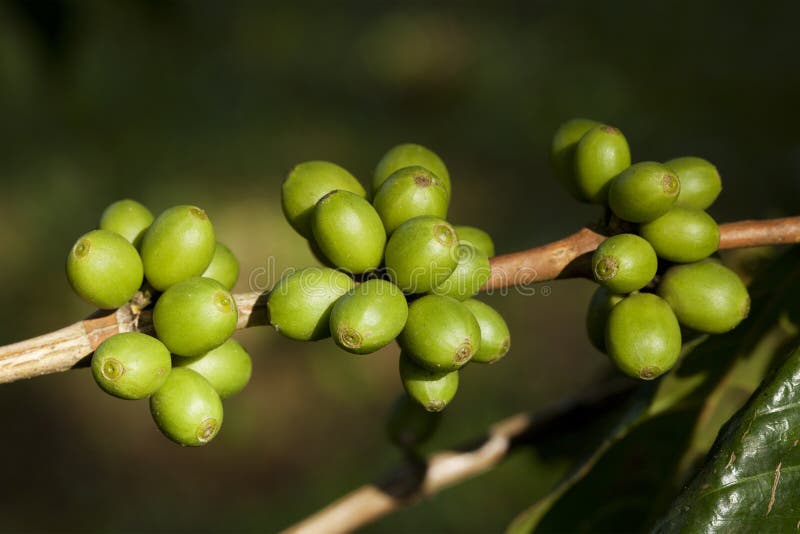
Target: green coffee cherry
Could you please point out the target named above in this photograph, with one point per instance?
(128, 218)
(624, 263)
(407, 155)
(562, 152)
(318, 254)
(600, 306)
(195, 316)
(441, 333)
(349, 232)
(227, 368)
(178, 245)
(369, 316)
(477, 238)
(410, 192)
(409, 424)
(224, 267)
(600, 155)
(131, 365)
(643, 336)
(705, 296)
(421, 254)
(187, 409)
(700, 182)
(104, 269)
(306, 184)
(682, 235)
(300, 305)
(469, 276)
(643, 192)
(432, 389)
(495, 337)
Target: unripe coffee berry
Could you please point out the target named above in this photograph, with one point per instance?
(432, 389)
(349, 232)
(476, 238)
(306, 184)
(562, 153)
(131, 365)
(600, 306)
(300, 304)
(601, 154)
(643, 336)
(407, 155)
(409, 424)
(441, 333)
(128, 218)
(682, 235)
(195, 316)
(643, 192)
(421, 254)
(369, 316)
(178, 245)
(624, 263)
(104, 269)
(224, 267)
(495, 337)
(187, 409)
(705, 296)
(700, 182)
(227, 368)
(469, 276)
(410, 192)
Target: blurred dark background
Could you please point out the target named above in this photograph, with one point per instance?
(211, 102)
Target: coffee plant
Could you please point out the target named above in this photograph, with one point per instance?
(667, 311)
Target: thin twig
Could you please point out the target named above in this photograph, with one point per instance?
(566, 258)
(415, 480)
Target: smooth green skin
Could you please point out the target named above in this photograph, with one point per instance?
(682, 235)
(131, 365)
(187, 409)
(195, 316)
(407, 155)
(701, 183)
(300, 304)
(624, 263)
(104, 269)
(369, 317)
(477, 238)
(562, 153)
(227, 368)
(349, 232)
(318, 254)
(178, 245)
(643, 192)
(421, 254)
(601, 154)
(224, 267)
(643, 336)
(409, 424)
(469, 276)
(432, 389)
(308, 182)
(600, 306)
(128, 218)
(705, 296)
(495, 337)
(410, 192)
(441, 333)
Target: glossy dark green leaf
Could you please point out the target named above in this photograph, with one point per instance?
(750, 483)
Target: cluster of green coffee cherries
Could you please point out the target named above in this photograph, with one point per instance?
(394, 268)
(192, 362)
(655, 273)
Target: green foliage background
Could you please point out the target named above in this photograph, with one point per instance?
(211, 102)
